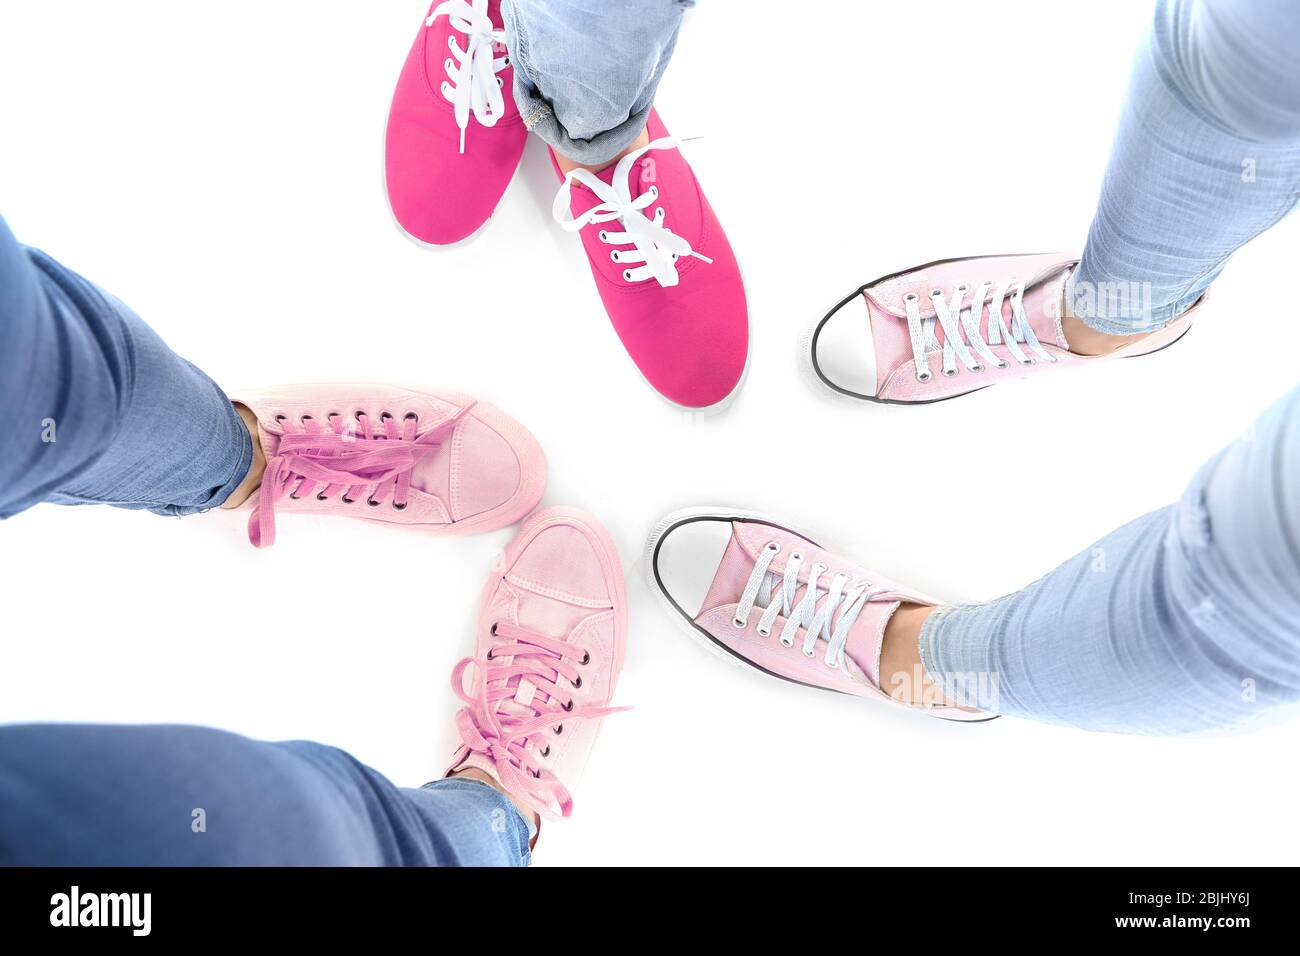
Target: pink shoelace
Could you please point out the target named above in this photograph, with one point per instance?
(514, 737)
(354, 462)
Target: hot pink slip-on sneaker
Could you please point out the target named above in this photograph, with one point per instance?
(552, 634)
(664, 270)
(774, 600)
(454, 135)
(403, 456)
(930, 333)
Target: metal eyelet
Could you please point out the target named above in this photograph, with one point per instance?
(949, 373)
(832, 665)
(358, 415)
(810, 653)
(558, 730)
(372, 502)
(739, 624)
(279, 418)
(348, 501)
(568, 707)
(586, 658)
(614, 254)
(654, 191)
(411, 417)
(773, 547)
(489, 655)
(627, 274)
(448, 65)
(536, 773)
(763, 633)
(785, 643)
(385, 416)
(936, 293)
(445, 88)
(320, 497)
(576, 684)
(796, 555)
(924, 375)
(295, 498)
(545, 751)
(400, 507)
(305, 418)
(978, 368)
(603, 236)
(493, 629)
(1027, 361)
(501, 82)
(910, 297)
(1001, 365)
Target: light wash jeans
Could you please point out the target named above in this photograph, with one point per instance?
(92, 795)
(1186, 619)
(1207, 156)
(586, 71)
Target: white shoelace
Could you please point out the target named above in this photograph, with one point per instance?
(952, 314)
(848, 599)
(472, 82)
(656, 249)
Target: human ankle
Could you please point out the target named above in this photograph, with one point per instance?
(529, 815)
(1083, 339)
(902, 674)
(567, 164)
(253, 479)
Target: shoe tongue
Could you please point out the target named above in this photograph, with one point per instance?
(863, 646)
(1042, 305)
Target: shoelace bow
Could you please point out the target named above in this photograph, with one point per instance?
(352, 460)
(514, 742)
(472, 71)
(815, 615)
(656, 249)
(955, 318)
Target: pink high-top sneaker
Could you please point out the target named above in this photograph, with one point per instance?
(552, 634)
(403, 456)
(454, 134)
(664, 270)
(771, 598)
(930, 333)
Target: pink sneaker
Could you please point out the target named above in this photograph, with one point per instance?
(928, 334)
(437, 460)
(552, 634)
(664, 270)
(776, 601)
(445, 174)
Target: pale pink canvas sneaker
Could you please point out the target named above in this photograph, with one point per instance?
(436, 460)
(775, 601)
(664, 270)
(454, 136)
(956, 326)
(552, 635)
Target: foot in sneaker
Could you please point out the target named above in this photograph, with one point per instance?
(664, 269)
(777, 602)
(956, 326)
(552, 633)
(435, 460)
(454, 135)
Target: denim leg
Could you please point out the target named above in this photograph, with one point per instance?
(586, 71)
(98, 795)
(1186, 619)
(97, 409)
(1207, 156)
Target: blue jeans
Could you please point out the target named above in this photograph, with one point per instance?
(586, 71)
(97, 409)
(77, 795)
(1184, 620)
(1207, 156)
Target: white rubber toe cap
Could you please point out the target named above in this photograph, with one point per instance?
(843, 353)
(687, 557)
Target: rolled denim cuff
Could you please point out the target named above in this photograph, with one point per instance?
(1124, 308)
(540, 119)
(954, 652)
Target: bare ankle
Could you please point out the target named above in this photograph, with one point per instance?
(902, 675)
(567, 164)
(253, 480)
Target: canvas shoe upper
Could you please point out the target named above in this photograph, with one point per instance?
(663, 268)
(774, 600)
(437, 460)
(552, 634)
(454, 136)
(955, 326)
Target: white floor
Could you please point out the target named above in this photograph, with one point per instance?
(220, 169)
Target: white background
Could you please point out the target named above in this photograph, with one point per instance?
(219, 167)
